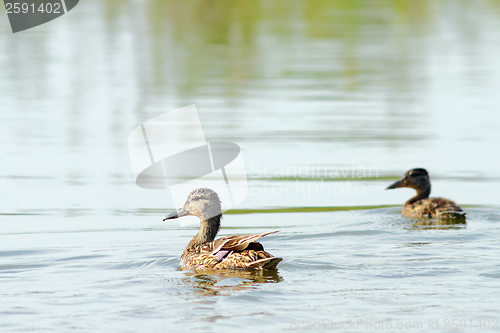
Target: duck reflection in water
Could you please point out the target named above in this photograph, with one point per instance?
(210, 282)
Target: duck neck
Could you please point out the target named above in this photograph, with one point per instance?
(422, 193)
(208, 230)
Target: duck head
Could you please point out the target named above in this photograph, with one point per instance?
(417, 179)
(203, 203)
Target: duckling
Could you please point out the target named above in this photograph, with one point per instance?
(233, 252)
(421, 205)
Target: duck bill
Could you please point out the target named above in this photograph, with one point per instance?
(179, 213)
(399, 183)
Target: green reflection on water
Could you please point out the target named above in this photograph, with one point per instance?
(223, 42)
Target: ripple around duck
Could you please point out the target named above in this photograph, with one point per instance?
(132, 265)
(82, 257)
(144, 264)
(171, 261)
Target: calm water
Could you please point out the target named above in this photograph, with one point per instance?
(330, 102)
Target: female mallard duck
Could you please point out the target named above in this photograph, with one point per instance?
(203, 252)
(421, 205)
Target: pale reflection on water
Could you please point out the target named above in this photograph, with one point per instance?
(389, 86)
(300, 86)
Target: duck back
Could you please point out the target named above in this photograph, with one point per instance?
(432, 208)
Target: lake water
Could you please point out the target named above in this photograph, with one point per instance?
(330, 102)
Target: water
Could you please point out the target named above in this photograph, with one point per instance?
(330, 101)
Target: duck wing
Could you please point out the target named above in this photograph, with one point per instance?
(243, 251)
(233, 252)
(236, 243)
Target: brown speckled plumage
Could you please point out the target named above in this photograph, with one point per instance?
(421, 206)
(241, 251)
(233, 252)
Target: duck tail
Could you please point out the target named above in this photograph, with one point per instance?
(266, 263)
(451, 214)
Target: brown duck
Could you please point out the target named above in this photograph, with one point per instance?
(233, 252)
(421, 205)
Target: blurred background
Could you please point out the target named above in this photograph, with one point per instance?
(310, 90)
(330, 102)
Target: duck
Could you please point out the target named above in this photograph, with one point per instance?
(206, 252)
(420, 205)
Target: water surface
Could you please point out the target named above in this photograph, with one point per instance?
(330, 101)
